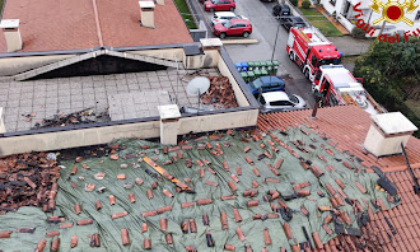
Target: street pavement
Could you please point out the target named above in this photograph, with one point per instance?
(265, 27)
(350, 46)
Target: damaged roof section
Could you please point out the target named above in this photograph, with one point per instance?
(346, 127)
(287, 189)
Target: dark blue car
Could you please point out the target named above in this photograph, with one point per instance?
(267, 84)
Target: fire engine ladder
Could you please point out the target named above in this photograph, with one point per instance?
(347, 97)
(374, 103)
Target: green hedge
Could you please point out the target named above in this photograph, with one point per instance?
(306, 4)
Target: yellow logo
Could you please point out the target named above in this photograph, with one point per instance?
(393, 11)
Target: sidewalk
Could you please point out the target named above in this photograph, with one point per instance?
(350, 46)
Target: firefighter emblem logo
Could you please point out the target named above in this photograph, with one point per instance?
(393, 11)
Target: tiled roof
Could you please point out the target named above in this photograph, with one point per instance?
(347, 126)
(48, 25)
(405, 218)
(120, 24)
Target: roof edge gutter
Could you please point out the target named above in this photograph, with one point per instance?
(48, 53)
(115, 123)
(93, 49)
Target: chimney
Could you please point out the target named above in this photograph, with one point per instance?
(160, 2)
(147, 9)
(387, 132)
(12, 34)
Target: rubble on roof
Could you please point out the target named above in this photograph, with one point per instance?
(60, 119)
(28, 179)
(220, 93)
(230, 209)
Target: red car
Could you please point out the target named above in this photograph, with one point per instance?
(233, 27)
(219, 5)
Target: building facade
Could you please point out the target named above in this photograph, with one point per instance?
(345, 13)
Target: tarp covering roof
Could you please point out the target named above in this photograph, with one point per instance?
(219, 156)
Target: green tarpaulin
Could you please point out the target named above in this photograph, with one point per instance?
(232, 147)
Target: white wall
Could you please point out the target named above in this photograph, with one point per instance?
(14, 65)
(329, 7)
(142, 130)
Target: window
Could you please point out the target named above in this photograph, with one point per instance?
(262, 100)
(293, 99)
(314, 60)
(417, 16)
(257, 83)
(227, 24)
(281, 103)
(332, 2)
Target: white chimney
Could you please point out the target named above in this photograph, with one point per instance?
(387, 132)
(160, 2)
(147, 9)
(12, 34)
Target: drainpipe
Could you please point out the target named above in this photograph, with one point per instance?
(318, 97)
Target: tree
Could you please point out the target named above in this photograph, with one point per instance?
(306, 4)
(391, 74)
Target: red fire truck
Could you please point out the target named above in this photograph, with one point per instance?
(338, 86)
(310, 50)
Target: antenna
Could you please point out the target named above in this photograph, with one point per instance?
(198, 86)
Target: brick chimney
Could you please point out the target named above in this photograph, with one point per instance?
(12, 34)
(387, 132)
(147, 16)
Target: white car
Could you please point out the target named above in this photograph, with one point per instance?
(223, 16)
(280, 100)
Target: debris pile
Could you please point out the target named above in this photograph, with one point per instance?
(254, 185)
(60, 119)
(28, 179)
(220, 93)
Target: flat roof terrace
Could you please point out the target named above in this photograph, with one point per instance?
(44, 98)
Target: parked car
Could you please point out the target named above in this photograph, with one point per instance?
(223, 16)
(280, 100)
(266, 84)
(219, 5)
(233, 27)
(281, 10)
(292, 21)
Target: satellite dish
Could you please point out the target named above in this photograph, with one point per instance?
(198, 86)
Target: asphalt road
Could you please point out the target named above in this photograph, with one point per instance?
(265, 27)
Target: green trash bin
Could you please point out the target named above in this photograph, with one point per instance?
(251, 75)
(251, 65)
(244, 76)
(257, 73)
(275, 67)
(269, 67)
(257, 65)
(264, 72)
(263, 65)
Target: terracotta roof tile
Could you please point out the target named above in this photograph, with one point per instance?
(414, 244)
(347, 126)
(341, 124)
(72, 25)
